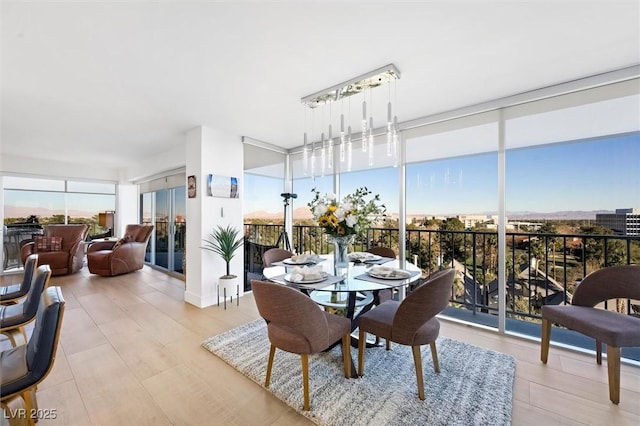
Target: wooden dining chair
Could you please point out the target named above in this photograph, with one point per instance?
(411, 322)
(296, 324)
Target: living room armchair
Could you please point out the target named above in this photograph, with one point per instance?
(111, 258)
(61, 247)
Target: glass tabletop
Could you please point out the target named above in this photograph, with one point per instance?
(352, 283)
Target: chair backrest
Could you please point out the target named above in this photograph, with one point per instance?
(275, 255)
(615, 282)
(38, 284)
(36, 360)
(286, 307)
(423, 303)
(382, 251)
(30, 266)
(41, 348)
(138, 233)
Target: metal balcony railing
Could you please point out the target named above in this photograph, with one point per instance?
(542, 268)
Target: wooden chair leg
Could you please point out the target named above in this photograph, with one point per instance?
(613, 368)
(599, 352)
(13, 409)
(388, 345)
(362, 337)
(417, 360)
(28, 402)
(346, 355)
(305, 379)
(434, 356)
(544, 342)
(272, 352)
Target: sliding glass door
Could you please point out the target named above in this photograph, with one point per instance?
(166, 210)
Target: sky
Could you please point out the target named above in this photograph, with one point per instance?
(599, 174)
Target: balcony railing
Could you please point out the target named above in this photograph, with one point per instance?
(542, 268)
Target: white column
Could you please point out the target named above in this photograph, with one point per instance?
(209, 151)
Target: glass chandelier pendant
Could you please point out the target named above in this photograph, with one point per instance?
(389, 130)
(349, 150)
(370, 141)
(330, 150)
(323, 155)
(394, 140)
(364, 126)
(313, 160)
(342, 138)
(305, 156)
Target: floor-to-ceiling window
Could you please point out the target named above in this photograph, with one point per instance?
(31, 203)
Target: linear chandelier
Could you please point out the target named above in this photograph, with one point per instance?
(322, 150)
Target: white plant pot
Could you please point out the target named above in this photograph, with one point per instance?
(228, 287)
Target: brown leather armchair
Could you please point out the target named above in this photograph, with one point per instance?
(65, 255)
(111, 258)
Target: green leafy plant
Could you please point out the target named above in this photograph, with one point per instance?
(225, 242)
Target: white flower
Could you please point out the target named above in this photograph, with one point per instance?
(351, 220)
(346, 205)
(331, 197)
(340, 214)
(319, 210)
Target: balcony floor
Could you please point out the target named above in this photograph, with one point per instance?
(130, 354)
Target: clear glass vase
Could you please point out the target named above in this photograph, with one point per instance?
(341, 254)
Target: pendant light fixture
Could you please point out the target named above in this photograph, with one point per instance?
(360, 84)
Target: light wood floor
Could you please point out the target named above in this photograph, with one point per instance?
(130, 354)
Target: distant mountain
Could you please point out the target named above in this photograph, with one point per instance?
(17, 211)
(561, 215)
(305, 213)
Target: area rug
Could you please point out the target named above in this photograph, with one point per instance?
(474, 387)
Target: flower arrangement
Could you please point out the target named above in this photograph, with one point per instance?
(351, 216)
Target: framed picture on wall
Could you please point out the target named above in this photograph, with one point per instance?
(191, 186)
(222, 186)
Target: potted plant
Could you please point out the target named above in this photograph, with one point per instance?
(225, 241)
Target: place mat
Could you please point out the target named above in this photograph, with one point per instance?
(367, 277)
(331, 279)
(378, 261)
(293, 265)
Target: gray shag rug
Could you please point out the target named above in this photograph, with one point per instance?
(474, 387)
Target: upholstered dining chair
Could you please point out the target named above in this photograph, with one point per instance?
(14, 318)
(411, 322)
(614, 329)
(296, 324)
(23, 367)
(382, 251)
(12, 293)
(275, 255)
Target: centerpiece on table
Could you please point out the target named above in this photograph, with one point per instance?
(345, 219)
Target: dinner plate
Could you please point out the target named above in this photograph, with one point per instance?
(315, 280)
(360, 256)
(295, 262)
(393, 274)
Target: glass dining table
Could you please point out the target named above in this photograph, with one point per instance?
(354, 294)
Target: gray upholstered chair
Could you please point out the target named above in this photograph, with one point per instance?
(22, 368)
(611, 328)
(296, 324)
(411, 322)
(12, 293)
(275, 255)
(14, 318)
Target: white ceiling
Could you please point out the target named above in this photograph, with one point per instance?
(82, 80)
